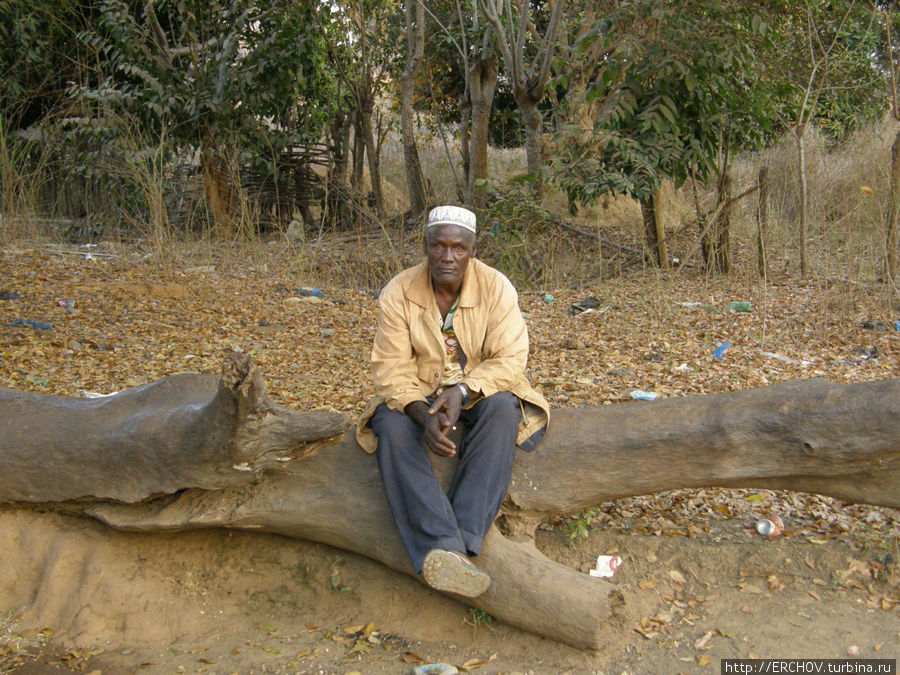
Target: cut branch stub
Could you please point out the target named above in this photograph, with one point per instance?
(179, 432)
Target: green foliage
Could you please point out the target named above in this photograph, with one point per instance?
(579, 527)
(95, 155)
(39, 56)
(827, 65)
(478, 618)
(678, 84)
(240, 70)
(512, 235)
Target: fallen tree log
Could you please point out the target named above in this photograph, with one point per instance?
(840, 440)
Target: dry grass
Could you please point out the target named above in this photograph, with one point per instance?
(20, 172)
(846, 229)
(15, 648)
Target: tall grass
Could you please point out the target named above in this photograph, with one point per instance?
(848, 204)
(144, 167)
(21, 169)
(848, 184)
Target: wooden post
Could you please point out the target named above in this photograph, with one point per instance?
(722, 250)
(762, 219)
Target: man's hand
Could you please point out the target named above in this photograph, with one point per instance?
(443, 414)
(438, 420)
(437, 425)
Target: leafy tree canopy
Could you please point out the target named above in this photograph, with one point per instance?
(677, 81)
(827, 65)
(243, 69)
(40, 56)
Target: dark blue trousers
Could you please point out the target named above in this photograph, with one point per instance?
(458, 520)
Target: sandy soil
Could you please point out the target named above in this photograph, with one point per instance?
(79, 596)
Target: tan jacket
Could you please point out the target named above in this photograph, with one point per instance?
(408, 354)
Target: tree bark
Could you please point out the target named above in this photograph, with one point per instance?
(182, 431)
(892, 238)
(366, 110)
(465, 145)
(415, 32)
(534, 139)
(654, 230)
(163, 457)
(715, 241)
(340, 143)
(482, 85)
(359, 152)
(216, 187)
(659, 229)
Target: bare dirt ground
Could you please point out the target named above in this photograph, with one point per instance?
(700, 584)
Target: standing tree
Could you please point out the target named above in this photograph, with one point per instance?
(415, 50)
(191, 71)
(822, 61)
(362, 38)
(470, 39)
(527, 57)
(671, 81)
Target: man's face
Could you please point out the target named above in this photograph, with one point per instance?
(448, 249)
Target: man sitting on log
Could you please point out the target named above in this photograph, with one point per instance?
(449, 363)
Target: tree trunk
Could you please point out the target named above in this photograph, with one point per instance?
(715, 244)
(359, 154)
(762, 219)
(340, 142)
(465, 145)
(482, 85)
(528, 74)
(182, 431)
(892, 239)
(366, 108)
(800, 138)
(192, 451)
(415, 30)
(654, 230)
(216, 187)
(534, 141)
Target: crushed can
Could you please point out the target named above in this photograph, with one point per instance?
(770, 526)
(606, 566)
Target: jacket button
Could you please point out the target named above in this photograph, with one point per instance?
(437, 375)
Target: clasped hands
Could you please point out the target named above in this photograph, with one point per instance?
(438, 420)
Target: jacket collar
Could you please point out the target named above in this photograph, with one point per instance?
(420, 292)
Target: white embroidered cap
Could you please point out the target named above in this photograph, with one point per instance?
(451, 215)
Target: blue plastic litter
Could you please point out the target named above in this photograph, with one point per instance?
(721, 349)
(311, 291)
(37, 325)
(897, 324)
